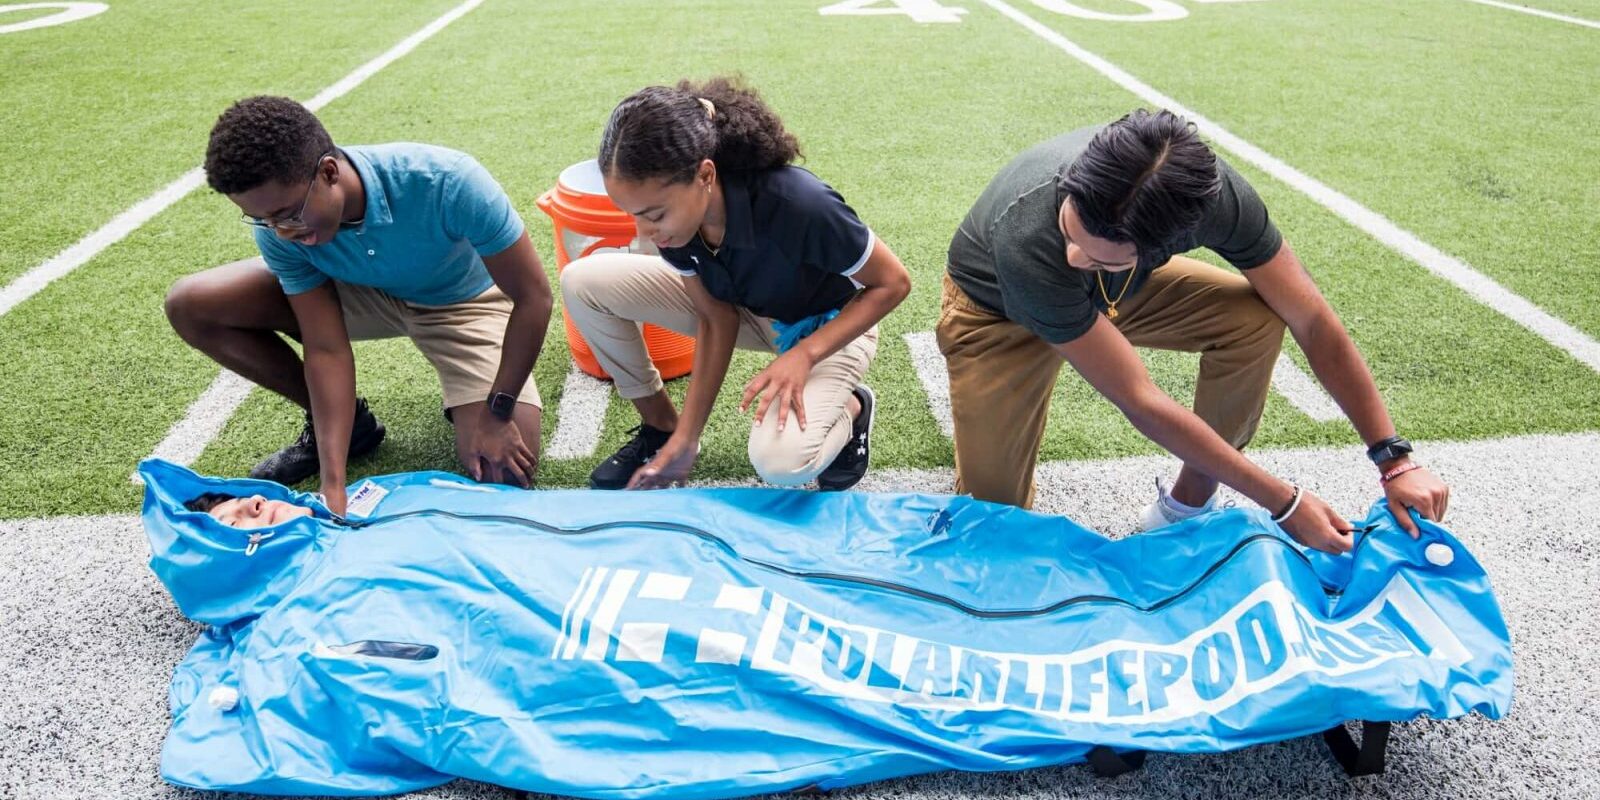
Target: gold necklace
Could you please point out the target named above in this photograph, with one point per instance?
(1111, 305)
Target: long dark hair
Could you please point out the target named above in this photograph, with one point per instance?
(1147, 178)
(665, 132)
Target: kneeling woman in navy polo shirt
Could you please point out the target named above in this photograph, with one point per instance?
(755, 253)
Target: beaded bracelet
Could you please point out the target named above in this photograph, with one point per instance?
(1398, 471)
(1294, 505)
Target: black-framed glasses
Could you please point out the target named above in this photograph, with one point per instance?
(296, 222)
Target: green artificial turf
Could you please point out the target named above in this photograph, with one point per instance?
(1464, 124)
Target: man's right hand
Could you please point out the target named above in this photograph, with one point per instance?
(1316, 525)
(333, 495)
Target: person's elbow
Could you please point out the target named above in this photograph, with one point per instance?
(897, 288)
(720, 320)
(535, 298)
(886, 278)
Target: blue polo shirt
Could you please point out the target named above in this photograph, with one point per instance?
(789, 250)
(432, 214)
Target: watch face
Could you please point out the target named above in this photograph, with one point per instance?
(501, 404)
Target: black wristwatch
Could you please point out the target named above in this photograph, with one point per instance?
(501, 405)
(1388, 449)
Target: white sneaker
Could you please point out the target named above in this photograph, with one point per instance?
(1167, 511)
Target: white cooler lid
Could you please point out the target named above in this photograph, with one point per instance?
(583, 178)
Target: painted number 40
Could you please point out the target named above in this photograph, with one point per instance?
(934, 11)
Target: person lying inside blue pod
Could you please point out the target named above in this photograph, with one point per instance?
(709, 643)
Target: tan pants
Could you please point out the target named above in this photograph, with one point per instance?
(608, 295)
(461, 340)
(1001, 374)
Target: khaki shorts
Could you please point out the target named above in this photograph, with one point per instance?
(461, 340)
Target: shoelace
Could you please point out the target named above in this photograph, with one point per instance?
(635, 447)
(308, 435)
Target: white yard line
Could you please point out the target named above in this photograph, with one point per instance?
(583, 414)
(1539, 12)
(1303, 392)
(935, 379)
(204, 420)
(35, 280)
(1480, 287)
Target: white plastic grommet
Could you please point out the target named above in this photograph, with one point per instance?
(223, 698)
(1439, 554)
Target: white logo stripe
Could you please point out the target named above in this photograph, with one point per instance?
(583, 612)
(605, 619)
(566, 613)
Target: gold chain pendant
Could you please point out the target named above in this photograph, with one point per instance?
(1111, 312)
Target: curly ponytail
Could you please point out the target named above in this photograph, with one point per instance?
(662, 132)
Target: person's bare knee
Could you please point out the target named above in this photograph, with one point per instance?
(243, 295)
(185, 306)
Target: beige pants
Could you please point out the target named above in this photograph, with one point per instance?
(461, 340)
(1001, 374)
(608, 296)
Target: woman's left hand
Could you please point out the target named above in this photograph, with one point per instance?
(783, 382)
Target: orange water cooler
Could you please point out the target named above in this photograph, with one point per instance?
(587, 222)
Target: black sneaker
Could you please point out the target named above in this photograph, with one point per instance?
(850, 466)
(299, 461)
(616, 471)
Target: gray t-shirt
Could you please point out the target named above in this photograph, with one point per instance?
(1009, 256)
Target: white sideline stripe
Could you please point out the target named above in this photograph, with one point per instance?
(583, 414)
(1302, 392)
(1539, 12)
(935, 379)
(389, 56)
(31, 282)
(34, 280)
(1477, 285)
(203, 421)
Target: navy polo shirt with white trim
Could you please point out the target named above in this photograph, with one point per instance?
(790, 246)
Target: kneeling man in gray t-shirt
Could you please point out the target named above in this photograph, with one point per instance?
(1072, 252)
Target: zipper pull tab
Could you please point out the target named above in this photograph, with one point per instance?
(255, 542)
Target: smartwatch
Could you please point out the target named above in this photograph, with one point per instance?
(501, 405)
(1388, 449)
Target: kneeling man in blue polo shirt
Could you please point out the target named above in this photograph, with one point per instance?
(368, 242)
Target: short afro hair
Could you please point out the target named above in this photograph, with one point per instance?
(204, 503)
(263, 139)
(1146, 178)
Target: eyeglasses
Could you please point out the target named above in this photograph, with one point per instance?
(296, 222)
